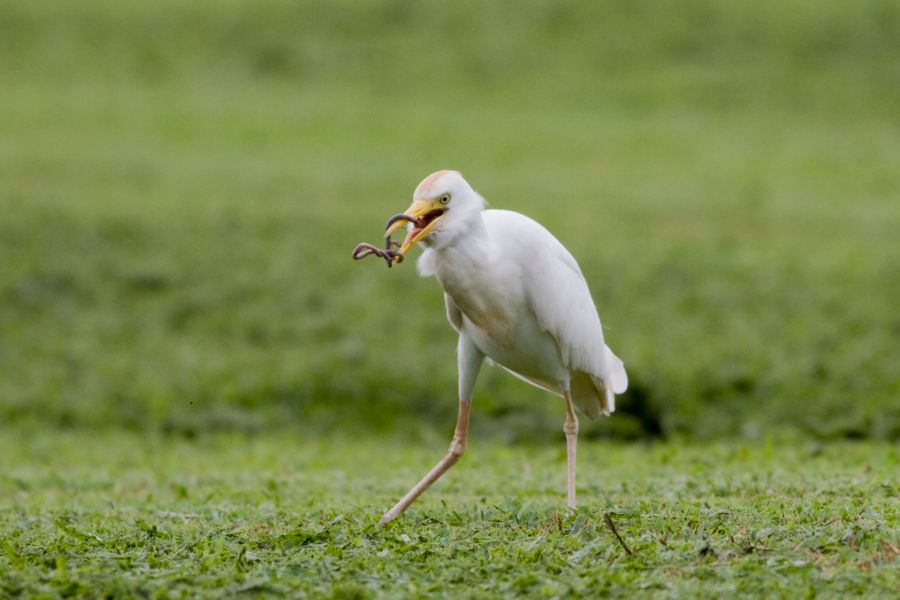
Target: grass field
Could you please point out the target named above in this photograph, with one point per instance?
(181, 186)
(200, 392)
(120, 516)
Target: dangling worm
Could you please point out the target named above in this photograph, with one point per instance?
(389, 253)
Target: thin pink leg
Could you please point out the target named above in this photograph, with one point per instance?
(457, 447)
(571, 430)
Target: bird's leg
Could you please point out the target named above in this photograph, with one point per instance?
(457, 447)
(571, 430)
(470, 360)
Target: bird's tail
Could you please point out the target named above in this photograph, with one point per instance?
(618, 378)
(595, 395)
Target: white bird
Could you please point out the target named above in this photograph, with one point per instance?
(517, 298)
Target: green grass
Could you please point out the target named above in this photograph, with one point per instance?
(120, 516)
(181, 185)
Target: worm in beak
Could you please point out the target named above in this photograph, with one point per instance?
(389, 252)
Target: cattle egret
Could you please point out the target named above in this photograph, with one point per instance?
(517, 298)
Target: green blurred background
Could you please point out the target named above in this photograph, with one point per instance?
(181, 184)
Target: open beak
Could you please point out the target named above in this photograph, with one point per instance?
(423, 214)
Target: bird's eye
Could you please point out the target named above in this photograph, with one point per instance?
(445, 199)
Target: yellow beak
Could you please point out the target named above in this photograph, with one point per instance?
(424, 214)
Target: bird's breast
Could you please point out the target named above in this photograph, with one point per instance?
(487, 303)
(492, 319)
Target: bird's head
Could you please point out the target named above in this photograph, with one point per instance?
(444, 206)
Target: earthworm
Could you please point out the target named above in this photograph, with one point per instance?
(400, 217)
(389, 252)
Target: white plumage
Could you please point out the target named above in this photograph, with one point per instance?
(516, 297)
(520, 296)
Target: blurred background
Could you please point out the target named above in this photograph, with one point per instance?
(181, 184)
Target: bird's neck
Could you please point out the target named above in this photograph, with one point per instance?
(467, 250)
(456, 250)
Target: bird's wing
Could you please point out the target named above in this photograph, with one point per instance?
(558, 295)
(562, 303)
(454, 315)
